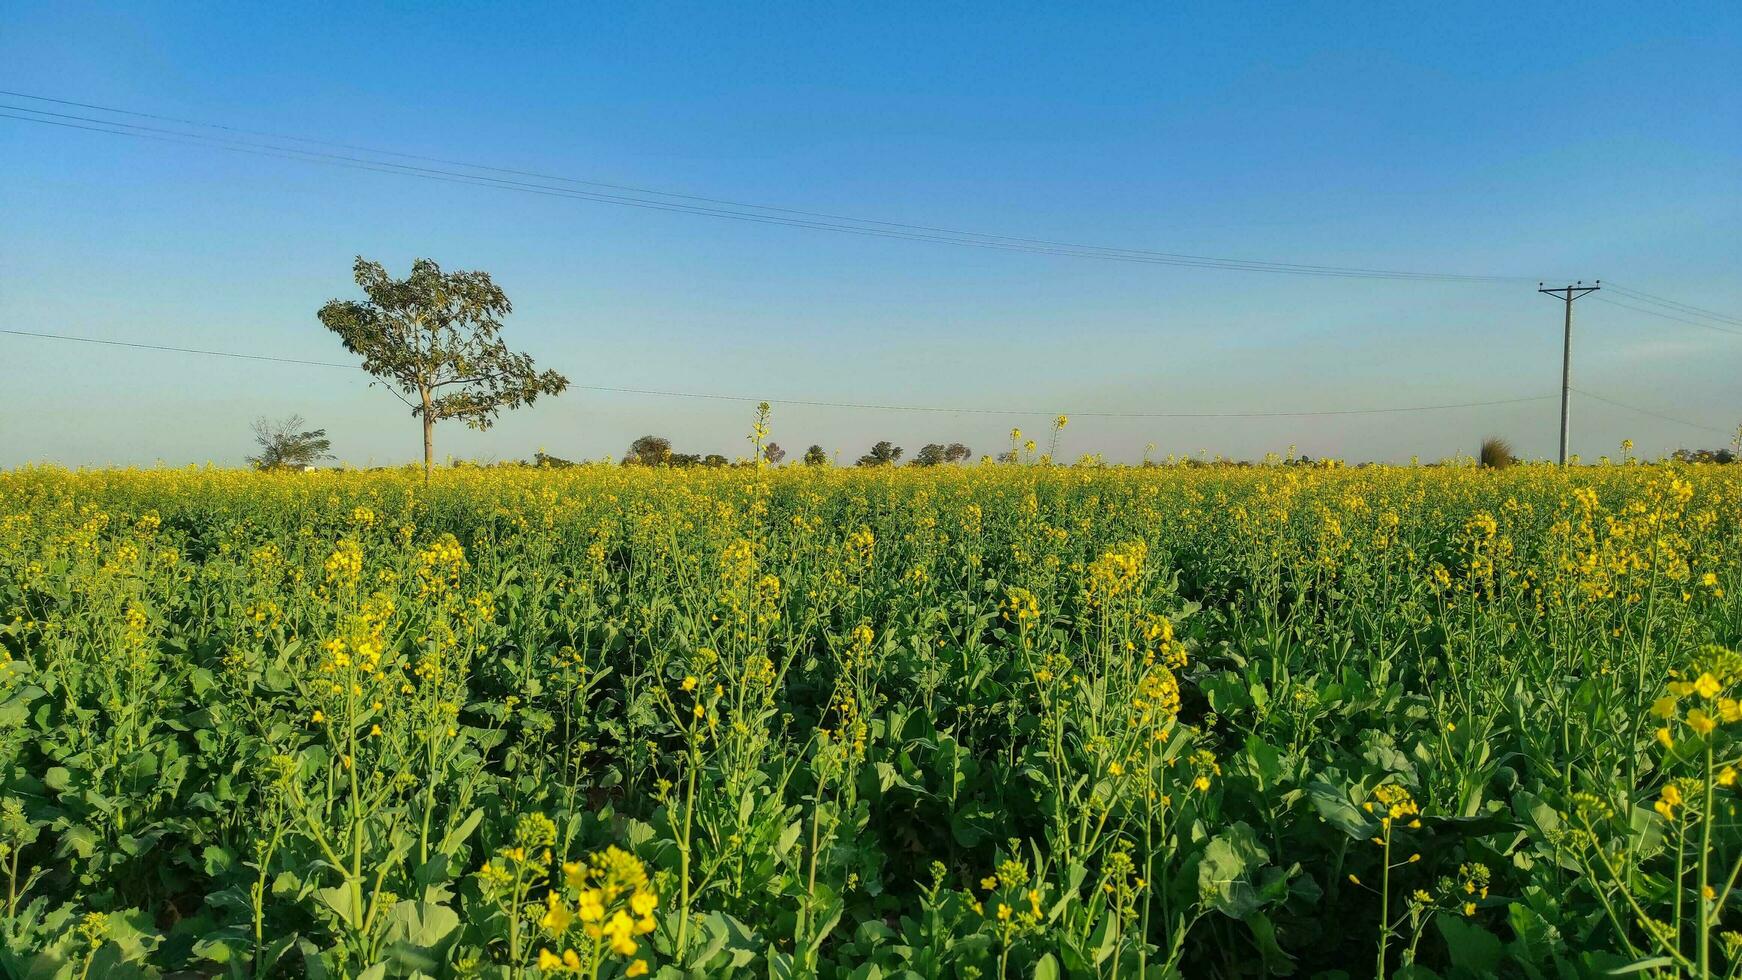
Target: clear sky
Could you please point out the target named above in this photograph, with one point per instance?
(1579, 140)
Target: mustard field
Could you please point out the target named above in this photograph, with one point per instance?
(975, 722)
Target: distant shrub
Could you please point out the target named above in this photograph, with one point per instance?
(1703, 456)
(1496, 453)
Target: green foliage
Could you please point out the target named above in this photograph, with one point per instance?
(285, 444)
(545, 460)
(436, 337)
(1717, 456)
(648, 450)
(937, 454)
(884, 453)
(947, 722)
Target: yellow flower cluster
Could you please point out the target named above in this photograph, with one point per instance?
(860, 545)
(1391, 803)
(440, 564)
(1021, 606)
(1718, 669)
(1116, 572)
(611, 900)
(345, 565)
(1160, 643)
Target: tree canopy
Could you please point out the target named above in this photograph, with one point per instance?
(885, 453)
(437, 336)
(285, 444)
(649, 450)
(935, 454)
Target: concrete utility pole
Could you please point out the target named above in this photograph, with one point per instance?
(1567, 294)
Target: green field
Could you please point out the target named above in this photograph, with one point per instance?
(993, 721)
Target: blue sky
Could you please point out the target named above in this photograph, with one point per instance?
(1580, 141)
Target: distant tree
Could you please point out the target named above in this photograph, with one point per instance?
(1007, 457)
(815, 456)
(436, 336)
(884, 453)
(284, 444)
(930, 454)
(1496, 453)
(714, 460)
(648, 451)
(934, 454)
(547, 461)
(773, 453)
(684, 460)
(1720, 456)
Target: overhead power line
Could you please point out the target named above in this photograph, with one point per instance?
(650, 198)
(1675, 305)
(816, 403)
(1072, 414)
(174, 350)
(1668, 316)
(1655, 415)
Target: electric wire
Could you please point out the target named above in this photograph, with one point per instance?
(819, 403)
(813, 220)
(1652, 413)
(694, 197)
(1668, 316)
(1672, 304)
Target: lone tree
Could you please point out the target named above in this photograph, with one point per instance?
(648, 451)
(930, 454)
(438, 336)
(285, 444)
(885, 453)
(815, 456)
(934, 454)
(773, 453)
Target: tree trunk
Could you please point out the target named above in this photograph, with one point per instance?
(428, 440)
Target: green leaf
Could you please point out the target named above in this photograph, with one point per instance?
(789, 837)
(217, 860)
(339, 900)
(80, 839)
(421, 924)
(1333, 805)
(1046, 968)
(1106, 937)
(1226, 691)
(1225, 874)
(452, 840)
(1276, 962)
(1471, 947)
(1266, 761)
(221, 948)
